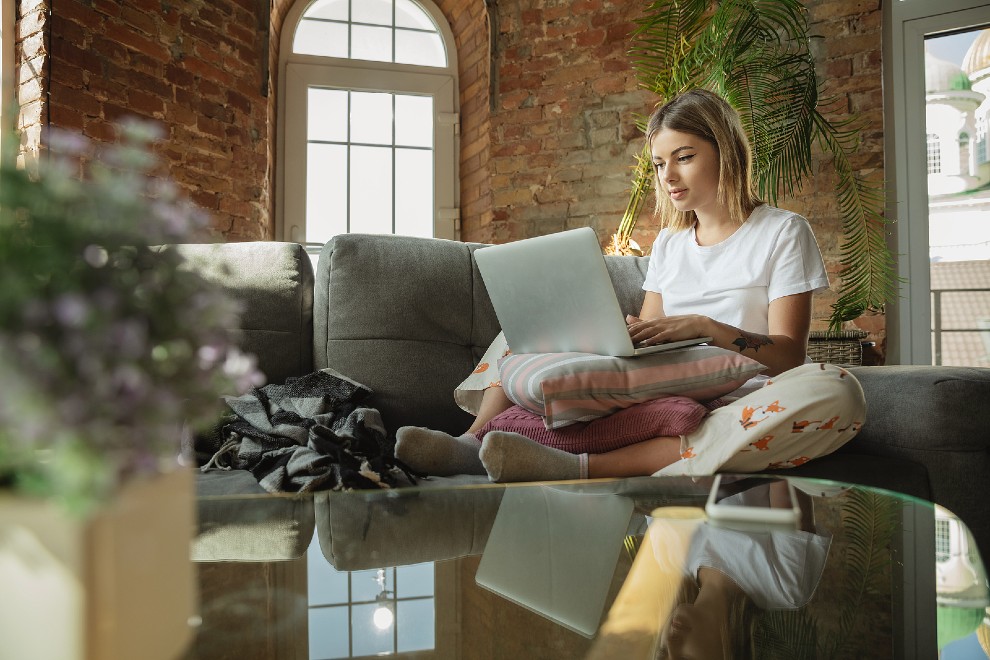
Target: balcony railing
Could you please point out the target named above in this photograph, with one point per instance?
(983, 325)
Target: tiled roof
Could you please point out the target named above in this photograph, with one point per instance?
(964, 309)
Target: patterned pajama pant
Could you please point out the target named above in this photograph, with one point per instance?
(803, 413)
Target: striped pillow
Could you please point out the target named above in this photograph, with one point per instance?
(577, 387)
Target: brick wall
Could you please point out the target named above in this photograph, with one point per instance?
(472, 25)
(548, 102)
(193, 67)
(563, 130)
(848, 56)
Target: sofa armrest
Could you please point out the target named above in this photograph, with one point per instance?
(274, 283)
(924, 408)
(937, 417)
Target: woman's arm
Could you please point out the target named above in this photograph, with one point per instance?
(785, 347)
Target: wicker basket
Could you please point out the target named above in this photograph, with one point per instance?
(843, 348)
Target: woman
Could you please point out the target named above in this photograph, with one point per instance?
(724, 265)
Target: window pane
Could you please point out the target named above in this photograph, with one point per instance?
(328, 633)
(326, 191)
(371, 118)
(415, 625)
(409, 15)
(376, 12)
(423, 48)
(327, 115)
(414, 120)
(371, 43)
(414, 580)
(414, 194)
(371, 197)
(368, 639)
(326, 585)
(321, 38)
(364, 584)
(331, 9)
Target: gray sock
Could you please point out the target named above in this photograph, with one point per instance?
(514, 457)
(438, 453)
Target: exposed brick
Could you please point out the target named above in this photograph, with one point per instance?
(139, 42)
(145, 102)
(554, 151)
(138, 19)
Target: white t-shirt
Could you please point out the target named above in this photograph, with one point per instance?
(773, 254)
(778, 570)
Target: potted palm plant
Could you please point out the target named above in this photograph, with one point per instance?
(755, 53)
(109, 347)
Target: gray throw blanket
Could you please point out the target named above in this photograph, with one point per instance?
(306, 435)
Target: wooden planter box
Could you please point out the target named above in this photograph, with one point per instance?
(118, 585)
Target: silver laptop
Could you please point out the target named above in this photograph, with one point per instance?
(553, 551)
(553, 294)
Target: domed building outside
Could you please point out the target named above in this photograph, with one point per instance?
(957, 120)
(951, 118)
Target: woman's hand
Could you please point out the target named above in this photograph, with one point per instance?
(667, 328)
(783, 348)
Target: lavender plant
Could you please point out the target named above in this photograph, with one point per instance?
(109, 343)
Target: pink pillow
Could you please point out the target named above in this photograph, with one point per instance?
(670, 415)
(578, 387)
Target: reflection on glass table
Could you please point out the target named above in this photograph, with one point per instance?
(593, 569)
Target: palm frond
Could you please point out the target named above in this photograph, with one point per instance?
(868, 280)
(869, 520)
(787, 635)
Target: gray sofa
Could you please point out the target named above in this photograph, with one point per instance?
(410, 318)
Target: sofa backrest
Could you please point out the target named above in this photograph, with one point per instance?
(410, 318)
(274, 283)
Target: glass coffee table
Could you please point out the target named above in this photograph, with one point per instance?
(625, 568)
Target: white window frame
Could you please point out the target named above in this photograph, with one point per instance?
(299, 72)
(906, 24)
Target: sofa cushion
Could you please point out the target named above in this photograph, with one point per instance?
(577, 387)
(405, 317)
(410, 318)
(274, 283)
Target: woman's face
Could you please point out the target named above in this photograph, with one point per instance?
(687, 168)
(692, 632)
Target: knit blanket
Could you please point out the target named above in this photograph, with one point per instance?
(307, 435)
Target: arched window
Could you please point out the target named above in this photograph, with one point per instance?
(965, 167)
(368, 121)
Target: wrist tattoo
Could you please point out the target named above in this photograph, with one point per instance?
(751, 340)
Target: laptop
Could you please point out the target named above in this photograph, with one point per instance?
(553, 294)
(554, 551)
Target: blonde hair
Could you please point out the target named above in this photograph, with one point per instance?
(708, 116)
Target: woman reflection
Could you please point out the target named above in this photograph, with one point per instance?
(731, 575)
